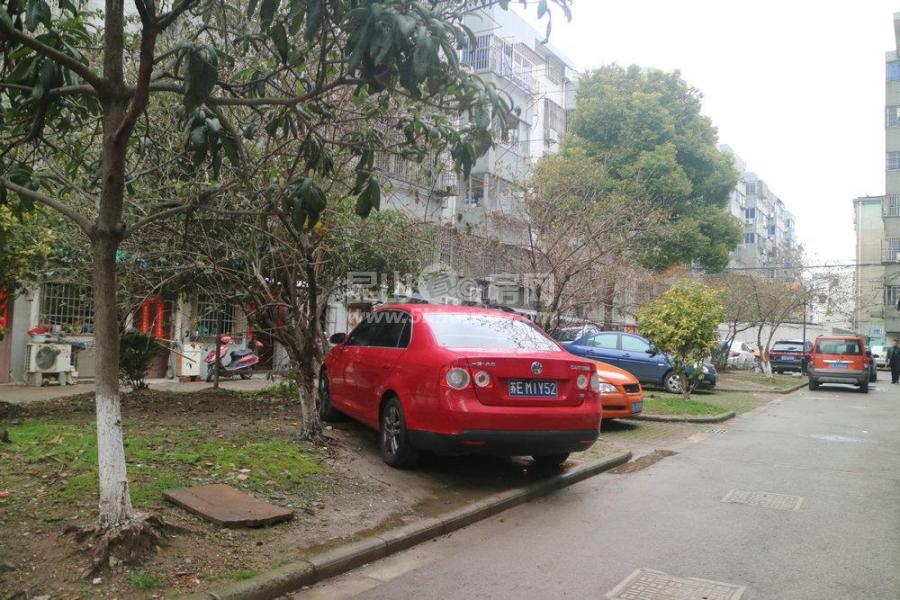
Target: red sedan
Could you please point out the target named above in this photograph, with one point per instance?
(457, 380)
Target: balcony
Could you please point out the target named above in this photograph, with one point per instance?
(501, 57)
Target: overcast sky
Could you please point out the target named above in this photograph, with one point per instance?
(796, 87)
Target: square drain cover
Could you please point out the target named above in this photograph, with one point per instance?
(647, 584)
(764, 499)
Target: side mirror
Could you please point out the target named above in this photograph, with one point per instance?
(652, 351)
(338, 338)
(869, 353)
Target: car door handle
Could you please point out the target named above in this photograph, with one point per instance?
(626, 355)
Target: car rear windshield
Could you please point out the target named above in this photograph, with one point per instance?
(462, 330)
(839, 347)
(787, 347)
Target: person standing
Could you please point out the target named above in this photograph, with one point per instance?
(894, 362)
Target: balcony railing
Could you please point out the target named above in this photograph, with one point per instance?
(496, 55)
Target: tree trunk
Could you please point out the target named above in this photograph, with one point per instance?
(115, 502)
(306, 368)
(609, 297)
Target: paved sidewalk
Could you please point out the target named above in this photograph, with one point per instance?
(22, 394)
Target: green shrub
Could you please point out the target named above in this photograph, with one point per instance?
(136, 352)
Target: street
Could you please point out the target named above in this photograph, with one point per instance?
(834, 454)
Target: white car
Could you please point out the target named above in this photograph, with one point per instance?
(879, 354)
(740, 355)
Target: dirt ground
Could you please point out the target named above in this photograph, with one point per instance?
(339, 489)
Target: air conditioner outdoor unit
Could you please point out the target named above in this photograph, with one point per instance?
(42, 360)
(897, 258)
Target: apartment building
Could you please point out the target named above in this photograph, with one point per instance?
(769, 227)
(877, 224)
(510, 54)
(479, 221)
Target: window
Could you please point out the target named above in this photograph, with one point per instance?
(509, 135)
(556, 70)
(68, 306)
(892, 116)
(634, 344)
(749, 238)
(892, 295)
(608, 341)
(476, 190)
(893, 161)
(893, 71)
(893, 248)
(479, 56)
(771, 230)
(749, 213)
(214, 317)
(554, 118)
(461, 330)
(892, 206)
(839, 346)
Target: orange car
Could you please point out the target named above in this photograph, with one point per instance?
(839, 359)
(620, 393)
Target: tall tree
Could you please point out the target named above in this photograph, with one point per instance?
(645, 128)
(79, 85)
(578, 234)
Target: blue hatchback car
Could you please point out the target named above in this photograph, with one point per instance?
(637, 356)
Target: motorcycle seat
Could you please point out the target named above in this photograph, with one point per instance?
(240, 353)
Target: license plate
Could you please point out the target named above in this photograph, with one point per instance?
(637, 407)
(839, 365)
(533, 388)
(788, 358)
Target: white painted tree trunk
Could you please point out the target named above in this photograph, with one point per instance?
(115, 501)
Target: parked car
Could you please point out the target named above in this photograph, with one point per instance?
(567, 335)
(621, 394)
(457, 380)
(636, 355)
(740, 355)
(839, 359)
(879, 356)
(789, 355)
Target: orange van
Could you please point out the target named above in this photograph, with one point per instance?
(839, 359)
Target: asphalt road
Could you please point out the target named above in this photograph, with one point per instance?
(835, 449)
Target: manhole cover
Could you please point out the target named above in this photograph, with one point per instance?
(647, 584)
(764, 499)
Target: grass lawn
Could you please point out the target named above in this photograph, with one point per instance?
(700, 404)
(61, 457)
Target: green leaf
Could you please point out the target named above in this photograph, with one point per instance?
(314, 13)
(201, 76)
(279, 38)
(37, 12)
(267, 11)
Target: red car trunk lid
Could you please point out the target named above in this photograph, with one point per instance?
(529, 374)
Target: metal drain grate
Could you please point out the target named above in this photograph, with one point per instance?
(647, 584)
(764, 499)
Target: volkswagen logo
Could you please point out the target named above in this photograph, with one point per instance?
(537, 368)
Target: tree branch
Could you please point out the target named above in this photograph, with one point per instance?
(83, 222)
(7, 32)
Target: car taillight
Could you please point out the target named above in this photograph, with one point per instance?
(458, 378)
(595, 383)
(582, 381)
(482, 379)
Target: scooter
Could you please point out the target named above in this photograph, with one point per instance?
(232, 359)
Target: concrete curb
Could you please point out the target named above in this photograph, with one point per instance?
(683, 419)
(315, 568)
(789, 390)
